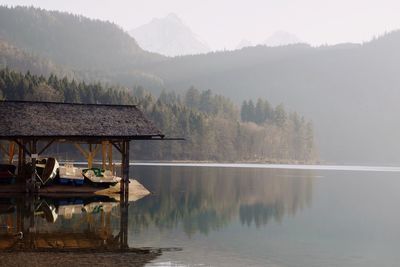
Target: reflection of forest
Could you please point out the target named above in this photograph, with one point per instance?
(203, 199)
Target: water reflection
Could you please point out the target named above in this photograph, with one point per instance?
(207, 199)
(95, 229)
(36, 226)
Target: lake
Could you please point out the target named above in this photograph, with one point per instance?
(213, 215)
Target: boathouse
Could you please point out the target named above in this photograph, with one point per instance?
(32, 127)
(28, 129)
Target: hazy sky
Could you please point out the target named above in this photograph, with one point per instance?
(223, 23)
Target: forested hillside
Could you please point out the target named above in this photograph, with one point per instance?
(71, 40)
(335, 86)
(94, 50)
(17, 59)
(210, 123)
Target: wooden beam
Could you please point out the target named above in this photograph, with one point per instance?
(92, 153)
(96, 149)
(2, 148)
(81, 150)
(22, 145)
(118, 147)
(11, 151)
(46, 147)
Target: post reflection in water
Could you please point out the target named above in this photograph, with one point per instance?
(208, 199)
(37, 226)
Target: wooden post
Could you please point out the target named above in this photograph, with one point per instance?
(23, 161)
(34, 156)
(110, 153)
(21, 155)
(20, 151)
(104, 145)
(20, 216)
(8, 152)
(124, 195)
(125, 167)
(90, 157)
(3, 149)
(11, 151)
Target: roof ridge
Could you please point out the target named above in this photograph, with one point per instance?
(67, 103)
(55, 119)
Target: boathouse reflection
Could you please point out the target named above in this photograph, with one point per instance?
(62, 223)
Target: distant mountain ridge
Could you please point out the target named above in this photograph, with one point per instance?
(64, 43)
(71, 40)
(281, 38)
(244, 43)
(169, 36)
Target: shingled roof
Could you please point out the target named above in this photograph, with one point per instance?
(19, 119)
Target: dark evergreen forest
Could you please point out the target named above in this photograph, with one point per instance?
(214, 127)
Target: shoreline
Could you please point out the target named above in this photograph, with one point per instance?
(275, 166)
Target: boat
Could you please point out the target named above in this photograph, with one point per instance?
(68, 174)
(46, 169)
(99, 177)
(7, 173)
(96, 207)
(67, 211)
(46, 210)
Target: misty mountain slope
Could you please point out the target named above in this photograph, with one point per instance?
(71, 40)
(243, 43)
(280, 38)
(17, 59)
(350, 91)
(169, 36)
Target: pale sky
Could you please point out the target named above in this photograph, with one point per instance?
(224, 23)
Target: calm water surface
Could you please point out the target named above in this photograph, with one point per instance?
(223, 216)
(269, 217)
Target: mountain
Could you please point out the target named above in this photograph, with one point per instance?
(280, 38)
(62, 43)
(243, 43)
(71, 40)
(169, 36)
(349, 91)
(17, 59)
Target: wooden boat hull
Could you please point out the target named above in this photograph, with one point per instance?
(100, 184)
(47, 169)
(71, 181)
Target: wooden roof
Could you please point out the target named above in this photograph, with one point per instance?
(26, 119)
